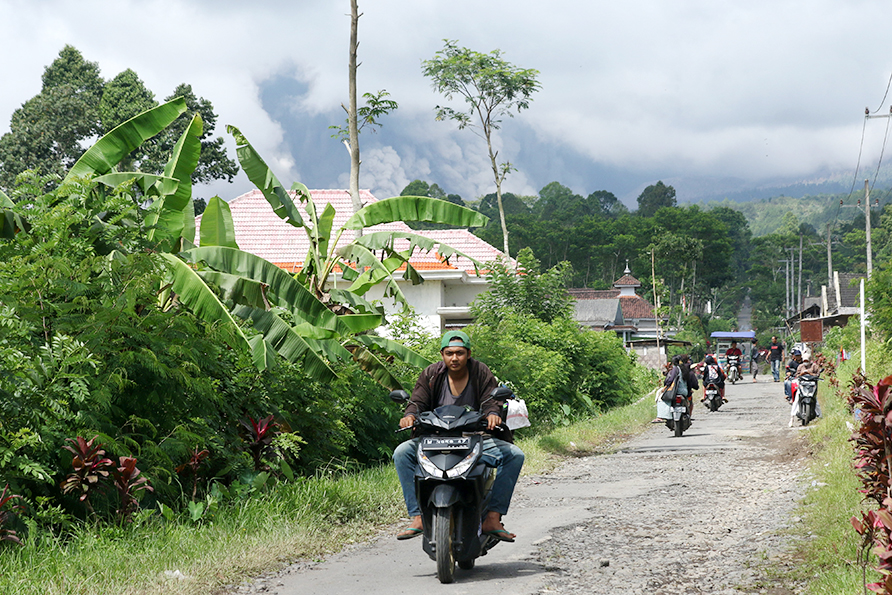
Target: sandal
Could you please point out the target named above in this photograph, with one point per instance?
(409, 533)
(500, 534)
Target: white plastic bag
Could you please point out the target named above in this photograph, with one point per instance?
(518, 416)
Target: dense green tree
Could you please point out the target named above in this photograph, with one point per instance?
(608, 204)
(655, 197)
(213, 163)
(492, 88)
(45, 133)
(50, 131)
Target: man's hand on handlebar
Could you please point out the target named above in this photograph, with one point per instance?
(493, 421)
(407, 421)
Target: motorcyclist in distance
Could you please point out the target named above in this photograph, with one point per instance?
(806, 367)
(790, 371)
(713, 374)
(460, 380)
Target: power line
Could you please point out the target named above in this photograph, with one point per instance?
(884, 95)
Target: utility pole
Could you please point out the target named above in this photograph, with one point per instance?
(829, 259)
(867, 226)
(868, 116)
(799, 291)
(866, 220)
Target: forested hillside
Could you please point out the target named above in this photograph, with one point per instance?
(706, 258)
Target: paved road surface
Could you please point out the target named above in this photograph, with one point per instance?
(659, 515)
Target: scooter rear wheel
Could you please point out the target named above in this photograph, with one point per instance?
(443, 539)
(679, 428)
(466, 564)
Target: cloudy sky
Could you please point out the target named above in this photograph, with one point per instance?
(712, 96)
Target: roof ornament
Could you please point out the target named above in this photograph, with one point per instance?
(628, 271)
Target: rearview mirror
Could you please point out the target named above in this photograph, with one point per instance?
(502, 393)
(399, 396)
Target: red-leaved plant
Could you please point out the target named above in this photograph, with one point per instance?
(873, 462)
(196, 457)
(128, 483)
(91, 468)
(260, 435)
(5, 515)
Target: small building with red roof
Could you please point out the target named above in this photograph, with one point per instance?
(442, 300)
(623, 311)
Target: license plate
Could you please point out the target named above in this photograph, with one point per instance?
(456, 443)
(680, 409)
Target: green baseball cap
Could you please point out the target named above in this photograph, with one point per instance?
(455, 339)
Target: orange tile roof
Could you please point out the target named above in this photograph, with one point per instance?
(259, 230)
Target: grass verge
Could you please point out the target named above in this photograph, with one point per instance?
(305, 519)
(829, 547)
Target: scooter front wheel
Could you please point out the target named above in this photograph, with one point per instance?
(443, 540)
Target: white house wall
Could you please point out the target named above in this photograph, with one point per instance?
(461, 294)
(425, 298)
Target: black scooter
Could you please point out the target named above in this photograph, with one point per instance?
(807, 393)
(453, 483)
(712, 397)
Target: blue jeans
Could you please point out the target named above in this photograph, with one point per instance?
(775, 369)
(506, 457)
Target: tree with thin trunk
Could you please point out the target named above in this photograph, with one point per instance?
(492, 88)
(377, 105)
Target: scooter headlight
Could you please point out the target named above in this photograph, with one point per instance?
(465, 463)
(427, 465)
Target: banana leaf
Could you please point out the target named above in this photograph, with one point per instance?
(355, 302)
(285, 340)
(289, 293)
(150, 184)
(395, 349)
(375, 368)
(262, 353)
(360, 323)
(234, 289)
(117, 144)
(10, 221)
(195, 294)
(375, 271)
(217, 228)
(379, 240)
(263, 177)
(415, 208)
(168, 218)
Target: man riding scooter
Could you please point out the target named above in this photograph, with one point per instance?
(790, 372)
(460, 380)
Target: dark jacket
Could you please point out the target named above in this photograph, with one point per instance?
(430, 382)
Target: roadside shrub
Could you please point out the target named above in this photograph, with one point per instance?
(559, 369)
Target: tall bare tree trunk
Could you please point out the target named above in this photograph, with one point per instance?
(353, 127)
(498, 177)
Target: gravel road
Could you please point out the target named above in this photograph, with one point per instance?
(660, 515)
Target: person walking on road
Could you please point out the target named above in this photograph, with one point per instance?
(754, 359)
(775, 356)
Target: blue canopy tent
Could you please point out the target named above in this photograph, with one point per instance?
(738, 335)
(722, 340)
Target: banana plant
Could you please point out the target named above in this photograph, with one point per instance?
(357, 259)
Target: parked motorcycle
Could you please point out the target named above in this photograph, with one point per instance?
(734, 368)
(453, 483)
(805, 389)
(712, 397)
